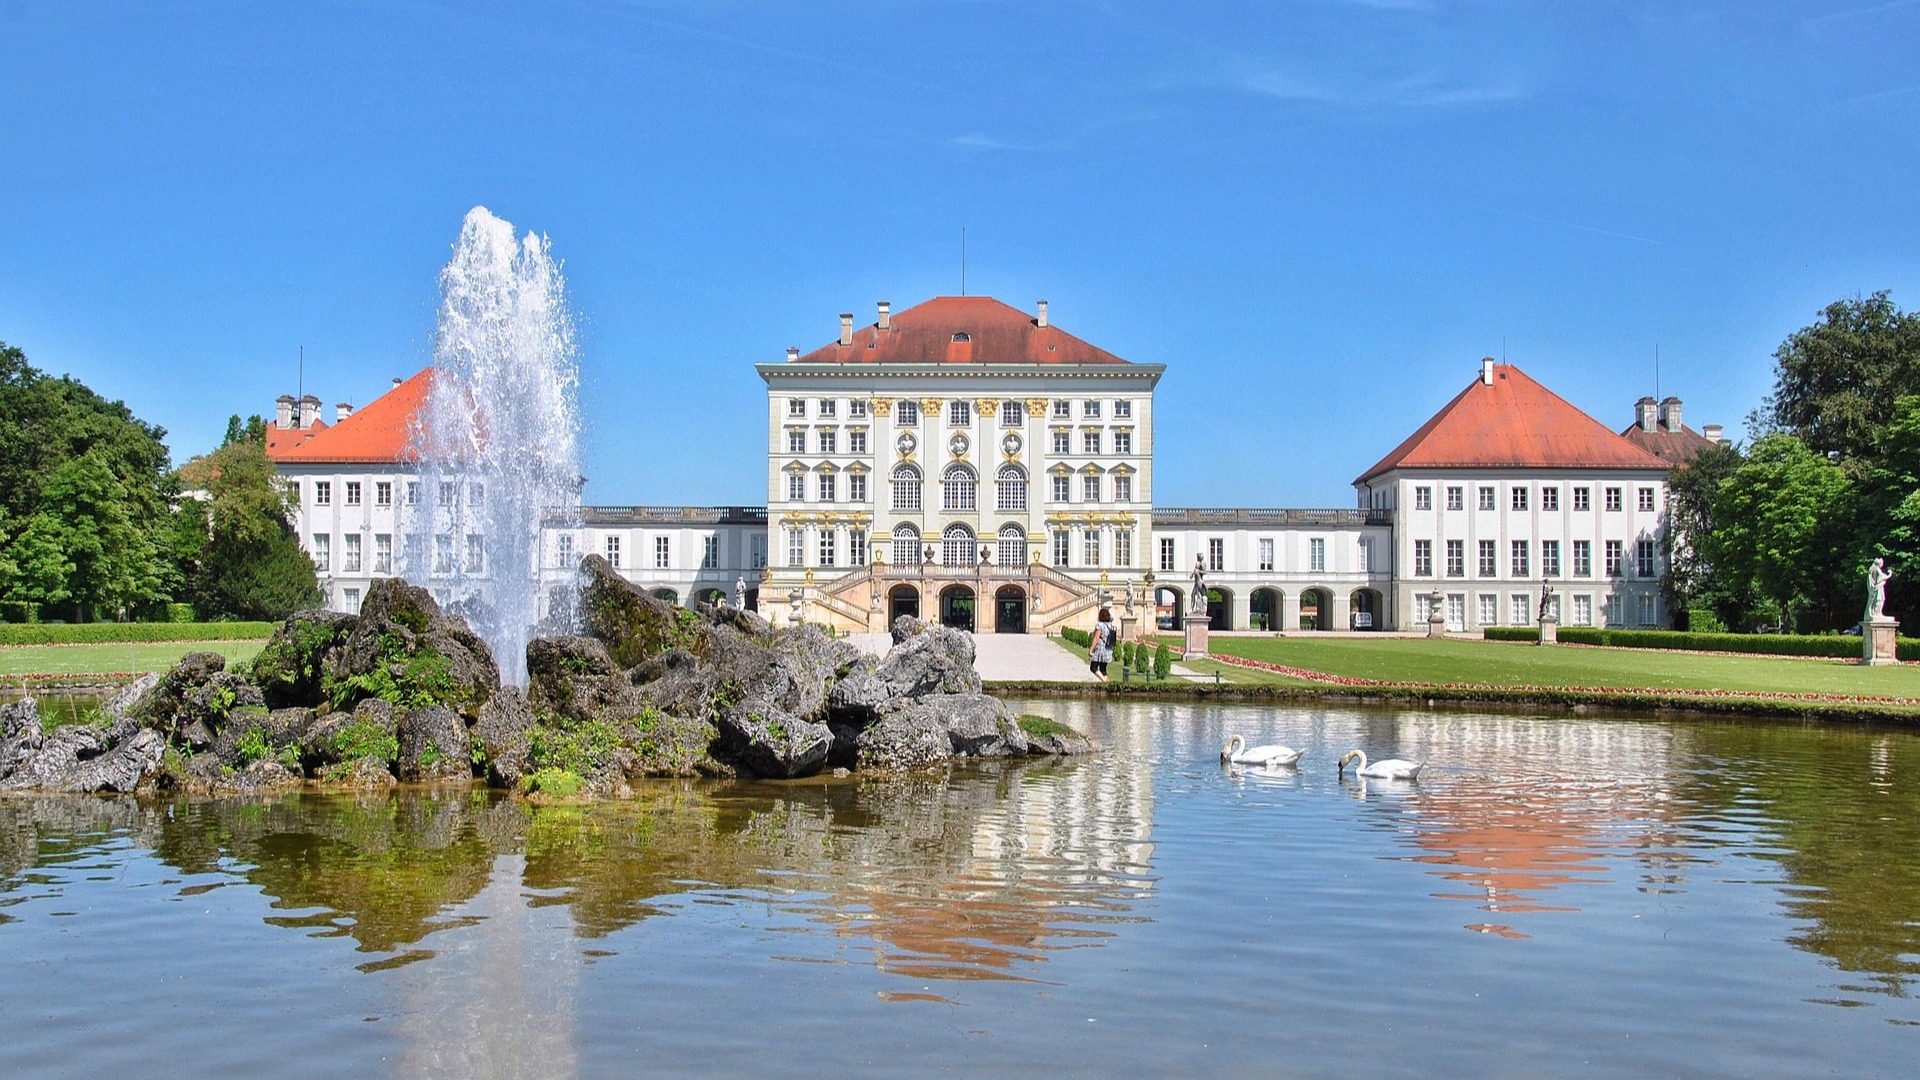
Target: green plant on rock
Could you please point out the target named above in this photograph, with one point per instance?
(410, 680)
(252, 746)
(1041, 726)
(559, 783)
(365, 738)
(581, 747)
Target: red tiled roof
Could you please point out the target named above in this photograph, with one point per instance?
(1513, 423)
(281, 439)
(991, 333)
(1672, 447)
(380, 432)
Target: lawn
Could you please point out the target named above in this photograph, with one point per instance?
(112, 659)
(1497, 663)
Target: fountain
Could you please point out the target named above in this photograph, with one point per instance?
(498, 441)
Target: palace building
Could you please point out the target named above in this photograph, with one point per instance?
(969, 462)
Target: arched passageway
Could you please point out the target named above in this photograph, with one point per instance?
(1010, 610)
(902, 600)
(1364, 611)
(668, 595)
(1219, 609)
(1316, 607)
(1169, 608)
(1264, 609)
(956, 607)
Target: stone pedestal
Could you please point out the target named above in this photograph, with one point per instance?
(1437, 623)
(1196, 637)
(1549, 629)
(1128, 627)
(1876, 640)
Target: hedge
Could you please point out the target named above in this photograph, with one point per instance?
(108, 633)
(1082, 638)
(1838, 646)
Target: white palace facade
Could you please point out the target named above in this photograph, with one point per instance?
(967, 461)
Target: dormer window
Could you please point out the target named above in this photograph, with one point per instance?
(962, 335)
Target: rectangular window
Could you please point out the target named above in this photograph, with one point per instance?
(906, 413)
(1583, 611)
(1166, 553)
(796, 547)
(383, 553)
(1366, 553)
(857, 487)
(1489, 609)
(857, 441)
(960, 413)
(1090, 488)
(443, 553)
(447, 493)
(1423, 498)
(797, 407)
(1266, 553)
(1061, 544)
(563, 551)
(352, 597)
(1123, 547)
(1216, 554)
(383, 493)
(1582, 498)
(1090, 442)
(1061, 485)
(1612, 610)
(1488, 559)
(1643, 559)
(1550, 558)
(827, 485)
(412, 553)
(828, 557)
(1062, 410)
(476, 560)
(1012, 413)
(1123, 489)
(1061, 442)
(353, 493)
(1456, 497)
(1550, 498)
(1520, 559)
(1519, 498)
(828, 406)
(1123, 409)
(1613, 498)
(613, 551)
(857, 409)
(1456, 558)
(1123, 442)
(1522, 608)
(709, 553)
(829, 442)
(1423, 558)
(1613, 555)
(1486, 498)
(350, 554)
(1090, 539)
(322, 552)
(796, 487)
(1646, 500)
(413, 493)
(662, 553)
(857, 547)
(796, 441)
(1090, 410)
(1583, 558)
(323, 493)
(1317, 555)
(759, 547)
(1646, 609)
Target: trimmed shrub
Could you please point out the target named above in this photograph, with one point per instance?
(1162, 662)
(1703, 621)
(1140, 659)
(1082, 638)
(1837, 646)
(119, 633)
(1515, 633)
(180, 613)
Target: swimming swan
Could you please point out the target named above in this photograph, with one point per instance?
(1390, 769)
(1236, 752)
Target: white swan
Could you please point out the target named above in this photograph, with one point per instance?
(1390, 769)
(1236, 752)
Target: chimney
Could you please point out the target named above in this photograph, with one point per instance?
(1712, 432)
(846, 328)
(341, 412)
(1645, 409)
(886, 315)
(793, 354)
(309, 412)
(1041, 321)
(1486, 371)
(283, 412)
(397, 380)
(1670, 415)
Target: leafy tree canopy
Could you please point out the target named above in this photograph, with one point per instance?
(46, 422)
(252, 566)
(1781, 523)
(1835, 382)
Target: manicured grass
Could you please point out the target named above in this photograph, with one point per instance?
(113, 659)
(1495, 663)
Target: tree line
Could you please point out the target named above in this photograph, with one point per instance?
(1778, 534)
(97, 524)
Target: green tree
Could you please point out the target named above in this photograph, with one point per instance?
(85, 546)
(1693, 581)
(251, 565)
(1889, 517)
(1835, 382)
(1782, 522)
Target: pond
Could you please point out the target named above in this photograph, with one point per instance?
(1568, 896)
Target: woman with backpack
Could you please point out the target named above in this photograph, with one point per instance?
(1100, 650)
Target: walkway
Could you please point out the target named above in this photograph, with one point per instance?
(1004, 657)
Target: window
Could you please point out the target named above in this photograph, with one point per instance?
(322, 552)
(759, 547)
(906, 488)
(1013, 547)
(1612, 610)
(1550, 498)
(662, 553)
(1613, 558)
(443, 553)
(411, 552)
(828, 406)
(796, 487)
(827, 486)
(1550, 558)
(476, 560)
(1582, 498)
(1486, 498)
(1646, 500)
(413, 493)
(1423, 558)
(323, 493)
(1317, 555)
(1456, 497)
(1489, 610)
(1423, 498)
(1522, 608)
(829, 442)
(1266, 553)
(1062, 487)
(1613, 498)
(1123, 547)
(1060, 547)
(906, 546)
(353, 493)
(797, 407)
(906, 413)
(1216, 554)
(857, 441)
(1060, 443)
(1366, 553)
(352, 597)
(857, 409)
(957, 547)
(447, 493)
(1090, 540)
(1122, 409)
(1646, 609)
(1090, 488)
(1583, 611)
(796, 441)
(828, 557)
(1166, 553)
(383, 493)
(383, 553)
(1643, 559)
(856, 547)
(1010, 488)
(857, 487)
(1012, 414)
(1090, 442)
(960, 413)
(1123, 442)
(1583, 558)
(1123, 489)
(613, 551)
(563, 551)
(796, 547)
(1488, 559)
(1520, 568)
(1090, 410)
(1062, 410)
(350, 554)
(1456, 558)
(957, 489)
(1519, 498)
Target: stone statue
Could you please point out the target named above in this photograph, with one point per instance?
(1129, 601)
(1546, 600)
(740, 593)
(1877, 577)
(1197, 603)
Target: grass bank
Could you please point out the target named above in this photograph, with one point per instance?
(43, 664)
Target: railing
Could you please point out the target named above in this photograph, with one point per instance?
(673, 515)
(1277, 516)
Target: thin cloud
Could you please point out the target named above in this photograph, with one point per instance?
(1898, 91)
(987, 144)
(1589, 228)
(1422, 92)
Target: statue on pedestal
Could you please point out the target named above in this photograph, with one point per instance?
(1546, 602)
(1197, 603)
(1877, 577)
(740, 593)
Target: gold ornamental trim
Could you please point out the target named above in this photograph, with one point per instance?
(881, 406)
(1036, 407)
(930, 407)
(985, 407)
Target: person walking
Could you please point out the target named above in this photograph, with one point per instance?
(1100, 650)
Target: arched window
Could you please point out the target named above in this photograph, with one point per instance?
(906, 487)
(906, 545)
(957, 488)
(957, 546)
(1012, 488)
(1013, 546)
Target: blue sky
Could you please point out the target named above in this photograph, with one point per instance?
(1317, 214)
